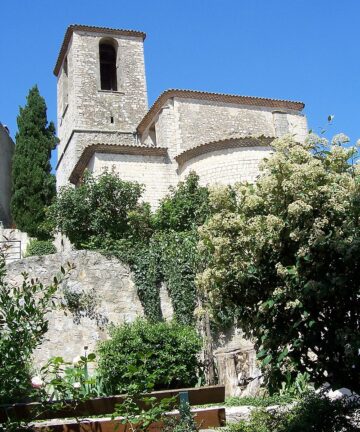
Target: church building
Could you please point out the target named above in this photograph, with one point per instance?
(104, 121)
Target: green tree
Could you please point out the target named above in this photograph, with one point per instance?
(33, 185)
(100, 210)
(185, 207)
(283, 260)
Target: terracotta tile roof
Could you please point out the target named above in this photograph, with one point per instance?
(93, 29)
(89, 151)
(249, 141)
(216, 97)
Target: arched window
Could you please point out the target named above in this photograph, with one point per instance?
(108, 78)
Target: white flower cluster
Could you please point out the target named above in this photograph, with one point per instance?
(340, 139)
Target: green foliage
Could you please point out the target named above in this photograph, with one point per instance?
(178, 264)
(185, 207)
(145, 262)
(97, 210)
(33, 185)
(295, 387)
(185, 422)
(40, 247)
(163, 353)
(69, 383)
(283, 260)
(176, 222)
(163, 248)
(83, 304)
(23, 324)
(264, 401)
(314, 413)
(139, 410)
(105, 214)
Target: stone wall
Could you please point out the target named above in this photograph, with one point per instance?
(6, 152)
(226, 166)
(88, 108)
(153, 171)
(206, 121)
(107, 282)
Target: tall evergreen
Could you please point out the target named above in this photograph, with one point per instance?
(33, 185)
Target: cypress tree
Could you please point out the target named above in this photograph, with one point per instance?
(33, 185)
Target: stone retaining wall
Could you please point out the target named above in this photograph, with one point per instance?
(105, 289)
(107, 282)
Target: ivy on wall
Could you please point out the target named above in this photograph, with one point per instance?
(159, 247)
(178, 265)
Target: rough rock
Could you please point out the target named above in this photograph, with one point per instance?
(106, 288)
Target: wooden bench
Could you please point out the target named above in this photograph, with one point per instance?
(104, 406)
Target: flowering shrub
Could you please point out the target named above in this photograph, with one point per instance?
(283, 260)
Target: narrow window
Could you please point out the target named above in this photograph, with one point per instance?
(65, 84)
(108, 78)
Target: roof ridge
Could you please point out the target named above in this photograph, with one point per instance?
(231, 94)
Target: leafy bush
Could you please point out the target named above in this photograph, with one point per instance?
(40, 247)
(97, 210)
(313, 413)
(164, 353)
(178, 265)
(185, 207)
(104, 214)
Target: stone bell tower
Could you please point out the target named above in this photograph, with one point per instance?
(101, 92)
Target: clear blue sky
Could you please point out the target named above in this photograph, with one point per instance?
(304, 50)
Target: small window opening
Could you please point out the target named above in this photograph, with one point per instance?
(65, 84)
(108, 79)
(66, 66)
(111, 119)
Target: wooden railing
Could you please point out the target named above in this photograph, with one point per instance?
(105, 406)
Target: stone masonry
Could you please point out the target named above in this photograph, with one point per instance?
(221, 137)
(107, 282)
